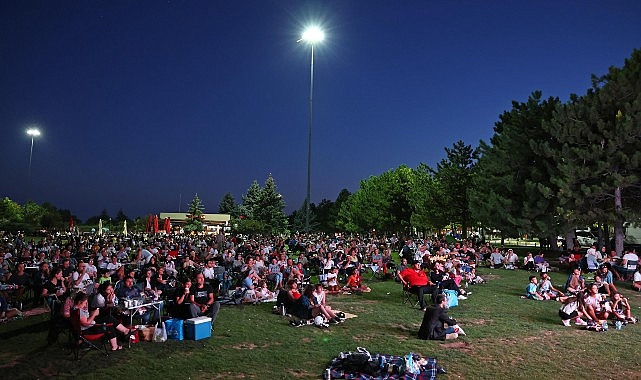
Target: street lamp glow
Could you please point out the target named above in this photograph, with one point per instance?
(33, 132)
(312, 35)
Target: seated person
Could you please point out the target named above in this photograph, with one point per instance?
(332, 280)
(596, 309)
(528, 263)
(496, 259)
(263, 291)
(575, 282)
(401, 267)
(607, 279)
(317, 305)
(415, 279)
(441, 280)
(180, 308)
(202, 301)
(572, 308)
(627, 264)
(354, 281)
(621, 310)
(88, 323)
(540, 263)
(472, 278)
(511, 259)
(531, 291)
(636, 281)
(546, 289)
(434, 320)
(104, 301)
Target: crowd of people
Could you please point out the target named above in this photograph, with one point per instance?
(195, 274)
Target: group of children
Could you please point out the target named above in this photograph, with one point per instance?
(590, 306)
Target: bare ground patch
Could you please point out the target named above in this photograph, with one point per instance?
(300, 374)
(458, 345)
(224, 375)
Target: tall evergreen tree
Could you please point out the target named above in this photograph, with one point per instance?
(251, 201)
(270, 206)
(455, 173)
(512, 190)
(599, 164)
(195, 217)
(228, 205)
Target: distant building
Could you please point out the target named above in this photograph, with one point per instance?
(213, 222)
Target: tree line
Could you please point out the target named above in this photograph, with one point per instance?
(549, 167)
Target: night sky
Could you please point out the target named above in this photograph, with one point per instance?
(142, 104)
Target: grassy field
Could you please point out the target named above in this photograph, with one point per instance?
(508, 338)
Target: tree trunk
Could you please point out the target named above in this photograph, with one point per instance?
(618, 221)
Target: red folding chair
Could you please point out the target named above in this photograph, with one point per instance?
(80, 338)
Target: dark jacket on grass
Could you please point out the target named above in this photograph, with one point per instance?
(432, 327)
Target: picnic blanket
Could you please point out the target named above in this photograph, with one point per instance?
(396, 365)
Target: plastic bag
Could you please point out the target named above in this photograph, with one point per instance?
(160, 333)
(174, 329)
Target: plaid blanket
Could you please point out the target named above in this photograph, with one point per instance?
(428, 371)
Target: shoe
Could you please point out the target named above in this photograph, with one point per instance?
(296, 323)
(335, 321)
(580, 322)
(566, 322)
(459, 330)
(467, 293)
(462, 297)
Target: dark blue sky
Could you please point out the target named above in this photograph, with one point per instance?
(142, 103)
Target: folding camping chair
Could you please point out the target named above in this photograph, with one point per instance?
(410, 297)
(80, 339)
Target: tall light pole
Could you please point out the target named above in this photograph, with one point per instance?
(311, 35)
(33, 133)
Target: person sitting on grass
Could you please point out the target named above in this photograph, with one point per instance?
(354, 281)
(595, 308)
(607, 278)
(575, 282)
(511, 259)
(547, 290)
(332, 280)
(317, 305)
(621, 310)
(434, 320)
(496, 259)
(472, 278)
(528, 262)
(571, 308)
(531, 291)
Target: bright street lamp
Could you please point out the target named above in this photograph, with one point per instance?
(33, 132)
(311, 36)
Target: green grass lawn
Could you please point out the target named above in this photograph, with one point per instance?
(507, 338)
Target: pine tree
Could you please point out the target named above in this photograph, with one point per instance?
(228, 205)
(195, 217)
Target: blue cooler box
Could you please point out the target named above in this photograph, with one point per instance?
(198, 328)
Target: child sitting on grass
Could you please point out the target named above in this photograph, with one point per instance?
(531, 291)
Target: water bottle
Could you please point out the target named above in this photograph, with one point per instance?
(604, 326)
(618, 325)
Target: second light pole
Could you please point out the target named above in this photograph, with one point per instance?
(311, 36)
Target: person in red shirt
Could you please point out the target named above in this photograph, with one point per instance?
(416, 280)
